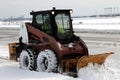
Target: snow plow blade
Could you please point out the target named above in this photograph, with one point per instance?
(95, 59)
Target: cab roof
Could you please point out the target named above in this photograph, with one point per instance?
(49, 11)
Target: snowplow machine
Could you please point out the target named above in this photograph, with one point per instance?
(48, 44)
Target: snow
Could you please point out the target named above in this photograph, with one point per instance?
(110, 70)
(98, 20)
(4, 53)
(9, 26)
(97, 43)
(10, 71)
(99, 27)
(111, 25)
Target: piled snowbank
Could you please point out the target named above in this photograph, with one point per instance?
(110, 70)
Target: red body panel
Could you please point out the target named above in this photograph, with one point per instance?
(48, 42)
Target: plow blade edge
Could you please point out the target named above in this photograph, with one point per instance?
(95, 59)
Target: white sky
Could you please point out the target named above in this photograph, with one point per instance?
(80, 7)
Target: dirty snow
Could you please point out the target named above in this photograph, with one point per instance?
(96, 42)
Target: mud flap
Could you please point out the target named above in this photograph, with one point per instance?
(95, 59)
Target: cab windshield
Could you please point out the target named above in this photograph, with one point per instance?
(63, 26)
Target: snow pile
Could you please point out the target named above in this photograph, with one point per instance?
(95, 73)
(110, 70)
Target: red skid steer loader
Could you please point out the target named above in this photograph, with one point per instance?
(48, 44)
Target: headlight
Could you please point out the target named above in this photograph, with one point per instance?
(53, 12)
(71, 11)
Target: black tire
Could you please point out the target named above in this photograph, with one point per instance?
(27, 60)
(46, 61)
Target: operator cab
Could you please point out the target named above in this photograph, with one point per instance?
(56, 22)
